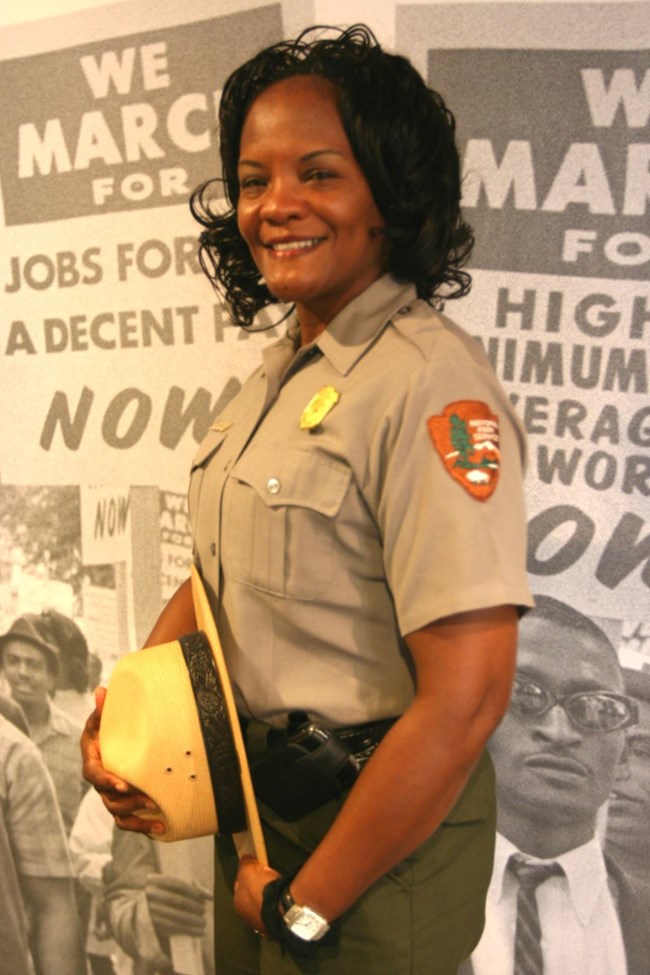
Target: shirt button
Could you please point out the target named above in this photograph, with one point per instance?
(273, 485)
(404, 310)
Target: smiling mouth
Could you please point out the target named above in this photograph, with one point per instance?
(290, 247)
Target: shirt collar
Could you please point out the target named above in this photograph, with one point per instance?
(348, 335)
(584, 867)
(355, 328)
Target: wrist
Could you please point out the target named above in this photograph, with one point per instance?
(298, 927)
(301, 919)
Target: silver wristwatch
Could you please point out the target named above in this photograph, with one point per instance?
(306, 923)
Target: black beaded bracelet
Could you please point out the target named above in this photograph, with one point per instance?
(277, 929)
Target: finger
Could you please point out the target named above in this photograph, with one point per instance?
(179, 903)
(170, 888)
(248, 865)
(136, 824)
(92, 768)
(170, 922)
(122, 805)
(100, 697)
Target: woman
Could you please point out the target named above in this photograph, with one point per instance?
(358, 527)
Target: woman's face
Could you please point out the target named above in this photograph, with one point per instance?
(305, 207)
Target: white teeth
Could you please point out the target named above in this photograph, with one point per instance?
(294, 245)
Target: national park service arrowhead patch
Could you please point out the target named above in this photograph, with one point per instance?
(466, 435)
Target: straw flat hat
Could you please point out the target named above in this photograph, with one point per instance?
(170, 728)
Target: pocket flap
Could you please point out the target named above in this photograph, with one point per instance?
(286, 476)
(208, 446)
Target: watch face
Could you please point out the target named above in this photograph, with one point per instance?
(305, 923)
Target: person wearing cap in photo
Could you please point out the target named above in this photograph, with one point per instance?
(556, 903)
(11, 710)
(30, 663)
(628, 815)
(73, 691)
(39, 929)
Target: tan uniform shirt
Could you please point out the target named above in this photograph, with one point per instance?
(321, 548)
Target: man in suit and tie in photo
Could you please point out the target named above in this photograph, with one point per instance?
(628, 816)
(557, 905)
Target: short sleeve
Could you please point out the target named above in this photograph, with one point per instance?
(450, 547)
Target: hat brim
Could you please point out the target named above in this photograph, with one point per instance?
(170, 727)
(251, 840)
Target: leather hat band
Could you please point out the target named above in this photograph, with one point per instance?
(217, 734)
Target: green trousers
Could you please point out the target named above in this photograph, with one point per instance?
(422, 918)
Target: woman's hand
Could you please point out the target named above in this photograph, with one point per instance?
(252, 878)
(120, 798)
(464, 666)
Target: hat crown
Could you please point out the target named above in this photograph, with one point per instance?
(25, 630)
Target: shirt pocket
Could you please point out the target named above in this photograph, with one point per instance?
(280, 505)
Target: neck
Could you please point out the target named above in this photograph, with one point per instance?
(310, 326)
(37, 713)
(543, 839)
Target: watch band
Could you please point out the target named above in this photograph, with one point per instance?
(298, 939)
(286, 899)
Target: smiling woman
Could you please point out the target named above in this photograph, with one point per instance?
(363, 555)
(401, 136)
(305, 208)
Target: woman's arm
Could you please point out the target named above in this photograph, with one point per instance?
(121, 799)
(464, 668)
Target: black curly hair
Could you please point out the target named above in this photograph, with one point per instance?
(403, 136)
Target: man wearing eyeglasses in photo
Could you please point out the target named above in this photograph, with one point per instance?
(557, 905)
(628, 814)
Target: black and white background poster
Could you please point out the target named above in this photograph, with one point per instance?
(116, 354)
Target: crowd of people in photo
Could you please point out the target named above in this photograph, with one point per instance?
(78, 897)
(573, 767)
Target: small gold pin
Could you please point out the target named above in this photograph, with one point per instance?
(318, 407)
(220, 426)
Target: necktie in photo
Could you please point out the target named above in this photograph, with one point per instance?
(528, 934)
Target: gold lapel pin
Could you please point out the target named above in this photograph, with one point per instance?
(318, 407)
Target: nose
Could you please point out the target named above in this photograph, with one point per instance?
(282, 201)
(555, 726)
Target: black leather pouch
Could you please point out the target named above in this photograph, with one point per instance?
(304, 771)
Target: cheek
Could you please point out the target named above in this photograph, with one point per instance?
(244, 222)
(640, 771)
(507, 742)
(241, 224)
(607, 751)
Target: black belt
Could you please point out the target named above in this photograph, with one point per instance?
(298, 768)
(362, 739)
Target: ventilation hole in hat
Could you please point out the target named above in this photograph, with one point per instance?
(192, 777)
(168, 770)
(188, 753)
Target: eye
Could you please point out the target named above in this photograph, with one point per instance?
(251, 183)
(640, 748)
(316, 175)
(528, 697)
